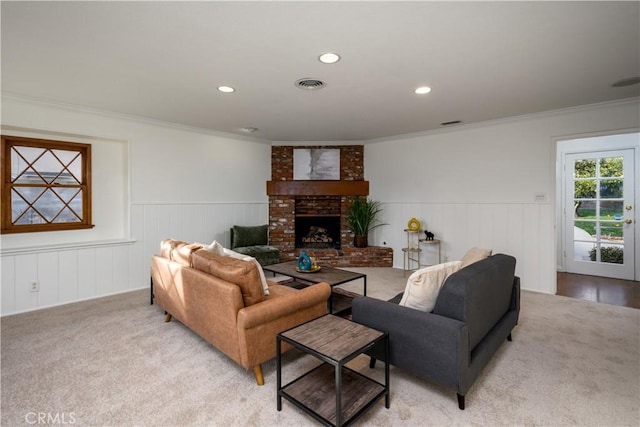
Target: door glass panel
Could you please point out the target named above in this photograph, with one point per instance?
(585, 168)
(585, 209)
(611, 209)
(611, 230)
(611, 188)
(611, 167)
(583, 240)
(589, 229)
(585, 189)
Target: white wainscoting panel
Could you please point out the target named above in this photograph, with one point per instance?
(72, 274)
(523, 230)
(69, 276)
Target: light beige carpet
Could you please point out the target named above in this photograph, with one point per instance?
(114, 362)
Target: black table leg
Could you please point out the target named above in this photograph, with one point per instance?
(278, 372)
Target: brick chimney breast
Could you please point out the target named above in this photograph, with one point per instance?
(307, 198)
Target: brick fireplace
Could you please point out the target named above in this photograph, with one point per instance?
(310, 215)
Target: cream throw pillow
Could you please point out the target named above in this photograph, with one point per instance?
(475, 255)
(215, 247)
(424, 285)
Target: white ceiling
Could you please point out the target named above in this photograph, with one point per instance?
(164, 60)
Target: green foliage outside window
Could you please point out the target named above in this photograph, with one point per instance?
(609, 254)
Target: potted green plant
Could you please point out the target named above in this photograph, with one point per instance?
(362, 218)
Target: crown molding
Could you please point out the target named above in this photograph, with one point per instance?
(455, 128)
(128, 117)
(511, 119)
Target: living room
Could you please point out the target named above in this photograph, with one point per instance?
(473, 184)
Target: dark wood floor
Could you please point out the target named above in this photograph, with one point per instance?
(625, 293)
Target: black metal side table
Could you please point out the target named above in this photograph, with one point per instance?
(332, 393)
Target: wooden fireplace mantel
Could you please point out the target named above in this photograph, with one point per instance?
(317, 188)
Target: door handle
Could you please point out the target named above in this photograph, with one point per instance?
(628, 221)
(628, 207)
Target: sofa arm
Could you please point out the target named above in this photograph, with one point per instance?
(259, 323)
(515, 294)
(271, 309)
(425, 344)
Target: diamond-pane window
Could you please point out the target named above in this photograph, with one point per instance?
(45, 185)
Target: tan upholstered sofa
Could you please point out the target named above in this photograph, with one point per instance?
(223, 300)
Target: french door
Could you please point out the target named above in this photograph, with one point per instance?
(599, 214)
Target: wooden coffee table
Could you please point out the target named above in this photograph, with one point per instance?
(332, 276)
(332, 393)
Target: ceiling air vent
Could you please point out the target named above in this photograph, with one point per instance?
(310, 84)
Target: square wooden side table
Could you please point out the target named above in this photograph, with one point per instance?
(332, 393)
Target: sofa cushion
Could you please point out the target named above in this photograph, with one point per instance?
(265, 254)
(217, 248)
(178, 251)
(424, 285)
(249, 236)
(246, 258)
(243, 274)
(475, 255)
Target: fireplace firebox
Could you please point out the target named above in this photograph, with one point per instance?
(317, 232)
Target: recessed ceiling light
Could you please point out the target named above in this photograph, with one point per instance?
(329, 58)
(249, 129)
(226, 89)
(422, 90)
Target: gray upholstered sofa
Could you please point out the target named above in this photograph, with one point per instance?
(476, 310)
(254, 241)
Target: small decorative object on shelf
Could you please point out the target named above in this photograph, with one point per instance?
(413, 224)
(413, 251)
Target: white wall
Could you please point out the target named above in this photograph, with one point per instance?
(151, 181)
(471, 185)
(476, 185)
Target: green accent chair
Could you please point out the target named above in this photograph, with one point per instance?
(254, 241)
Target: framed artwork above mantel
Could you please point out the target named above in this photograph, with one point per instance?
(313, 164)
